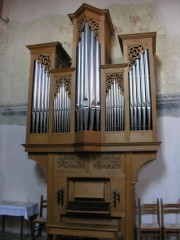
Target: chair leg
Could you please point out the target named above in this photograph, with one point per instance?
(32, 231)
(165, 237)
(178, 236)
(39, 232)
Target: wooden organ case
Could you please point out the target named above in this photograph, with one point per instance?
(91, 125)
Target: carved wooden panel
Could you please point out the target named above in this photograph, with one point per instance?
(70, 162)
(94, 25)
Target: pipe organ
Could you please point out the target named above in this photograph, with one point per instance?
(91, 125)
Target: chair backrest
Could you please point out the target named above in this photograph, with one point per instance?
(170, 212)
(149, 210)
(43, 206)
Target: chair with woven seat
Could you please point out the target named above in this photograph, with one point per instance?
(149, 220)
(170, 218)
(39, 223)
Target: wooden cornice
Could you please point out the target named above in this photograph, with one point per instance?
(95, 147)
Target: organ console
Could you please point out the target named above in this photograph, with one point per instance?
(91, 125)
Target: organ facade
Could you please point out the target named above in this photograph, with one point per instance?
(91, 125)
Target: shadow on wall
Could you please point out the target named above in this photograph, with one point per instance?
(160, 178)
(157, 70)
(40, 173)
(149, 176)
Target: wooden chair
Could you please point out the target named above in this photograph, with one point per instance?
(170, 218)
(149, 220)
(39, 223)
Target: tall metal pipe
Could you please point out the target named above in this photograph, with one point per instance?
(143, 93)
(131, 99)
(122, 113)
(117, 107)
(86, 77)
(134, 98)
(147, 79)
(98, 87)
(92, 79)
(82, 81)
(138, 94)
(55, 115)
(78, 85)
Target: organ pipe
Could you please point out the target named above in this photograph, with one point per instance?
(87, 99)
(61, 110)
(139, 94)
(115, 108)
(88, 82)
(40, 104)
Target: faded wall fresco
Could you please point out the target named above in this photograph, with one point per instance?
(132, 18)
(147, 18)
(15, 57)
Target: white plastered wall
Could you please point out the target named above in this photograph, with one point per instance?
(42, 21)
